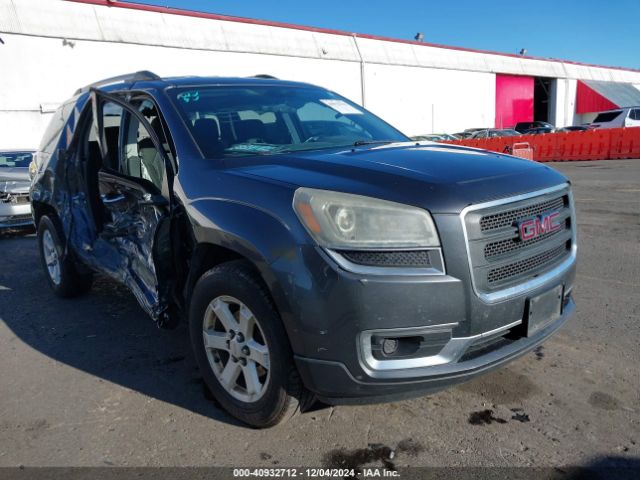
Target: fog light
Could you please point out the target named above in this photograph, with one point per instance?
(389, 346)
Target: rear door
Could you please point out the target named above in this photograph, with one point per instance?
(135, 194)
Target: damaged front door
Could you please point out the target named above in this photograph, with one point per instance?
(134, 189)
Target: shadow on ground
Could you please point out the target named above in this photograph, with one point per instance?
(103, 333)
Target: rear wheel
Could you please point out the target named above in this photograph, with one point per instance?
(241, 346)
(62, 273)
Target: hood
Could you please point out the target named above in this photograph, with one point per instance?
(14, 180)
(442, 178)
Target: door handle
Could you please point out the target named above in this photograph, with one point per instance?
(112, 199)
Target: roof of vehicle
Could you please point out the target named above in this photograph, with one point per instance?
(146, 79)
(194, 80)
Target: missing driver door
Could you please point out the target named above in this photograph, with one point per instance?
(134, 184)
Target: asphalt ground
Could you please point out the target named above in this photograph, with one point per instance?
(92, 382)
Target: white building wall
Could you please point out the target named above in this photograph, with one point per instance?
(562, 100)
(50, 70)
(51, 47)
(430, 100)
(585, 118)
(571, 89)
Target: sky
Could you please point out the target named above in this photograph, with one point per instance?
(601, 32)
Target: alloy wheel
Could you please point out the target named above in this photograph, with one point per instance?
(51, 257)
(236, 348)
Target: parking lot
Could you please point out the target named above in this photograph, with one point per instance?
(93, 382)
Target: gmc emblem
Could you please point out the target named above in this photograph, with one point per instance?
(534, 227)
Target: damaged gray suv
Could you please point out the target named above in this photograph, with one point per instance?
(314, 250)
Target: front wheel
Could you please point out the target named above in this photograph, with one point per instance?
(241, 347)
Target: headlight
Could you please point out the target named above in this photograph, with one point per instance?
(33, 168)
(344, 221)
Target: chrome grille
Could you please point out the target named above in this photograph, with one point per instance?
(501, 247)
(503, 219)
(498, 257)
(507, 271)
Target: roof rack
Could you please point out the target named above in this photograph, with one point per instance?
(265, 76)
(142, 75)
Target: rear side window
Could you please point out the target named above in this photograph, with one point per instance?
(141, 157)
(635, 114)
(111, 121)
(56, 124)
(607, 116)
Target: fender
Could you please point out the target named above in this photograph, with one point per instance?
(230, 224)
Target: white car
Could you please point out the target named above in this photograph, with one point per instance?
(621, 117)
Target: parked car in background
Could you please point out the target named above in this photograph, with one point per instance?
(574, 128)
(313, 249)
(539, 130)
(495, 132)
(435, 137)
(622, 117)
(468, 132)
(524, 126)
(15, 210)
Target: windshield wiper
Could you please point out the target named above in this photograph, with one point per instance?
(359, 143)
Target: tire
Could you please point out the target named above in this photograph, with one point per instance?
(62, 273)
(234, 287)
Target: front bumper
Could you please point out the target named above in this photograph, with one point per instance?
(334, 383)
(333, 310)
(15, 215)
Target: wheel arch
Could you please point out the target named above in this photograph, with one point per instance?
(208, 255)
(227, 231)
(39, 209)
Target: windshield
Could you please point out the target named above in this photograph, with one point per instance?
(261, 120)
(15, 159)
